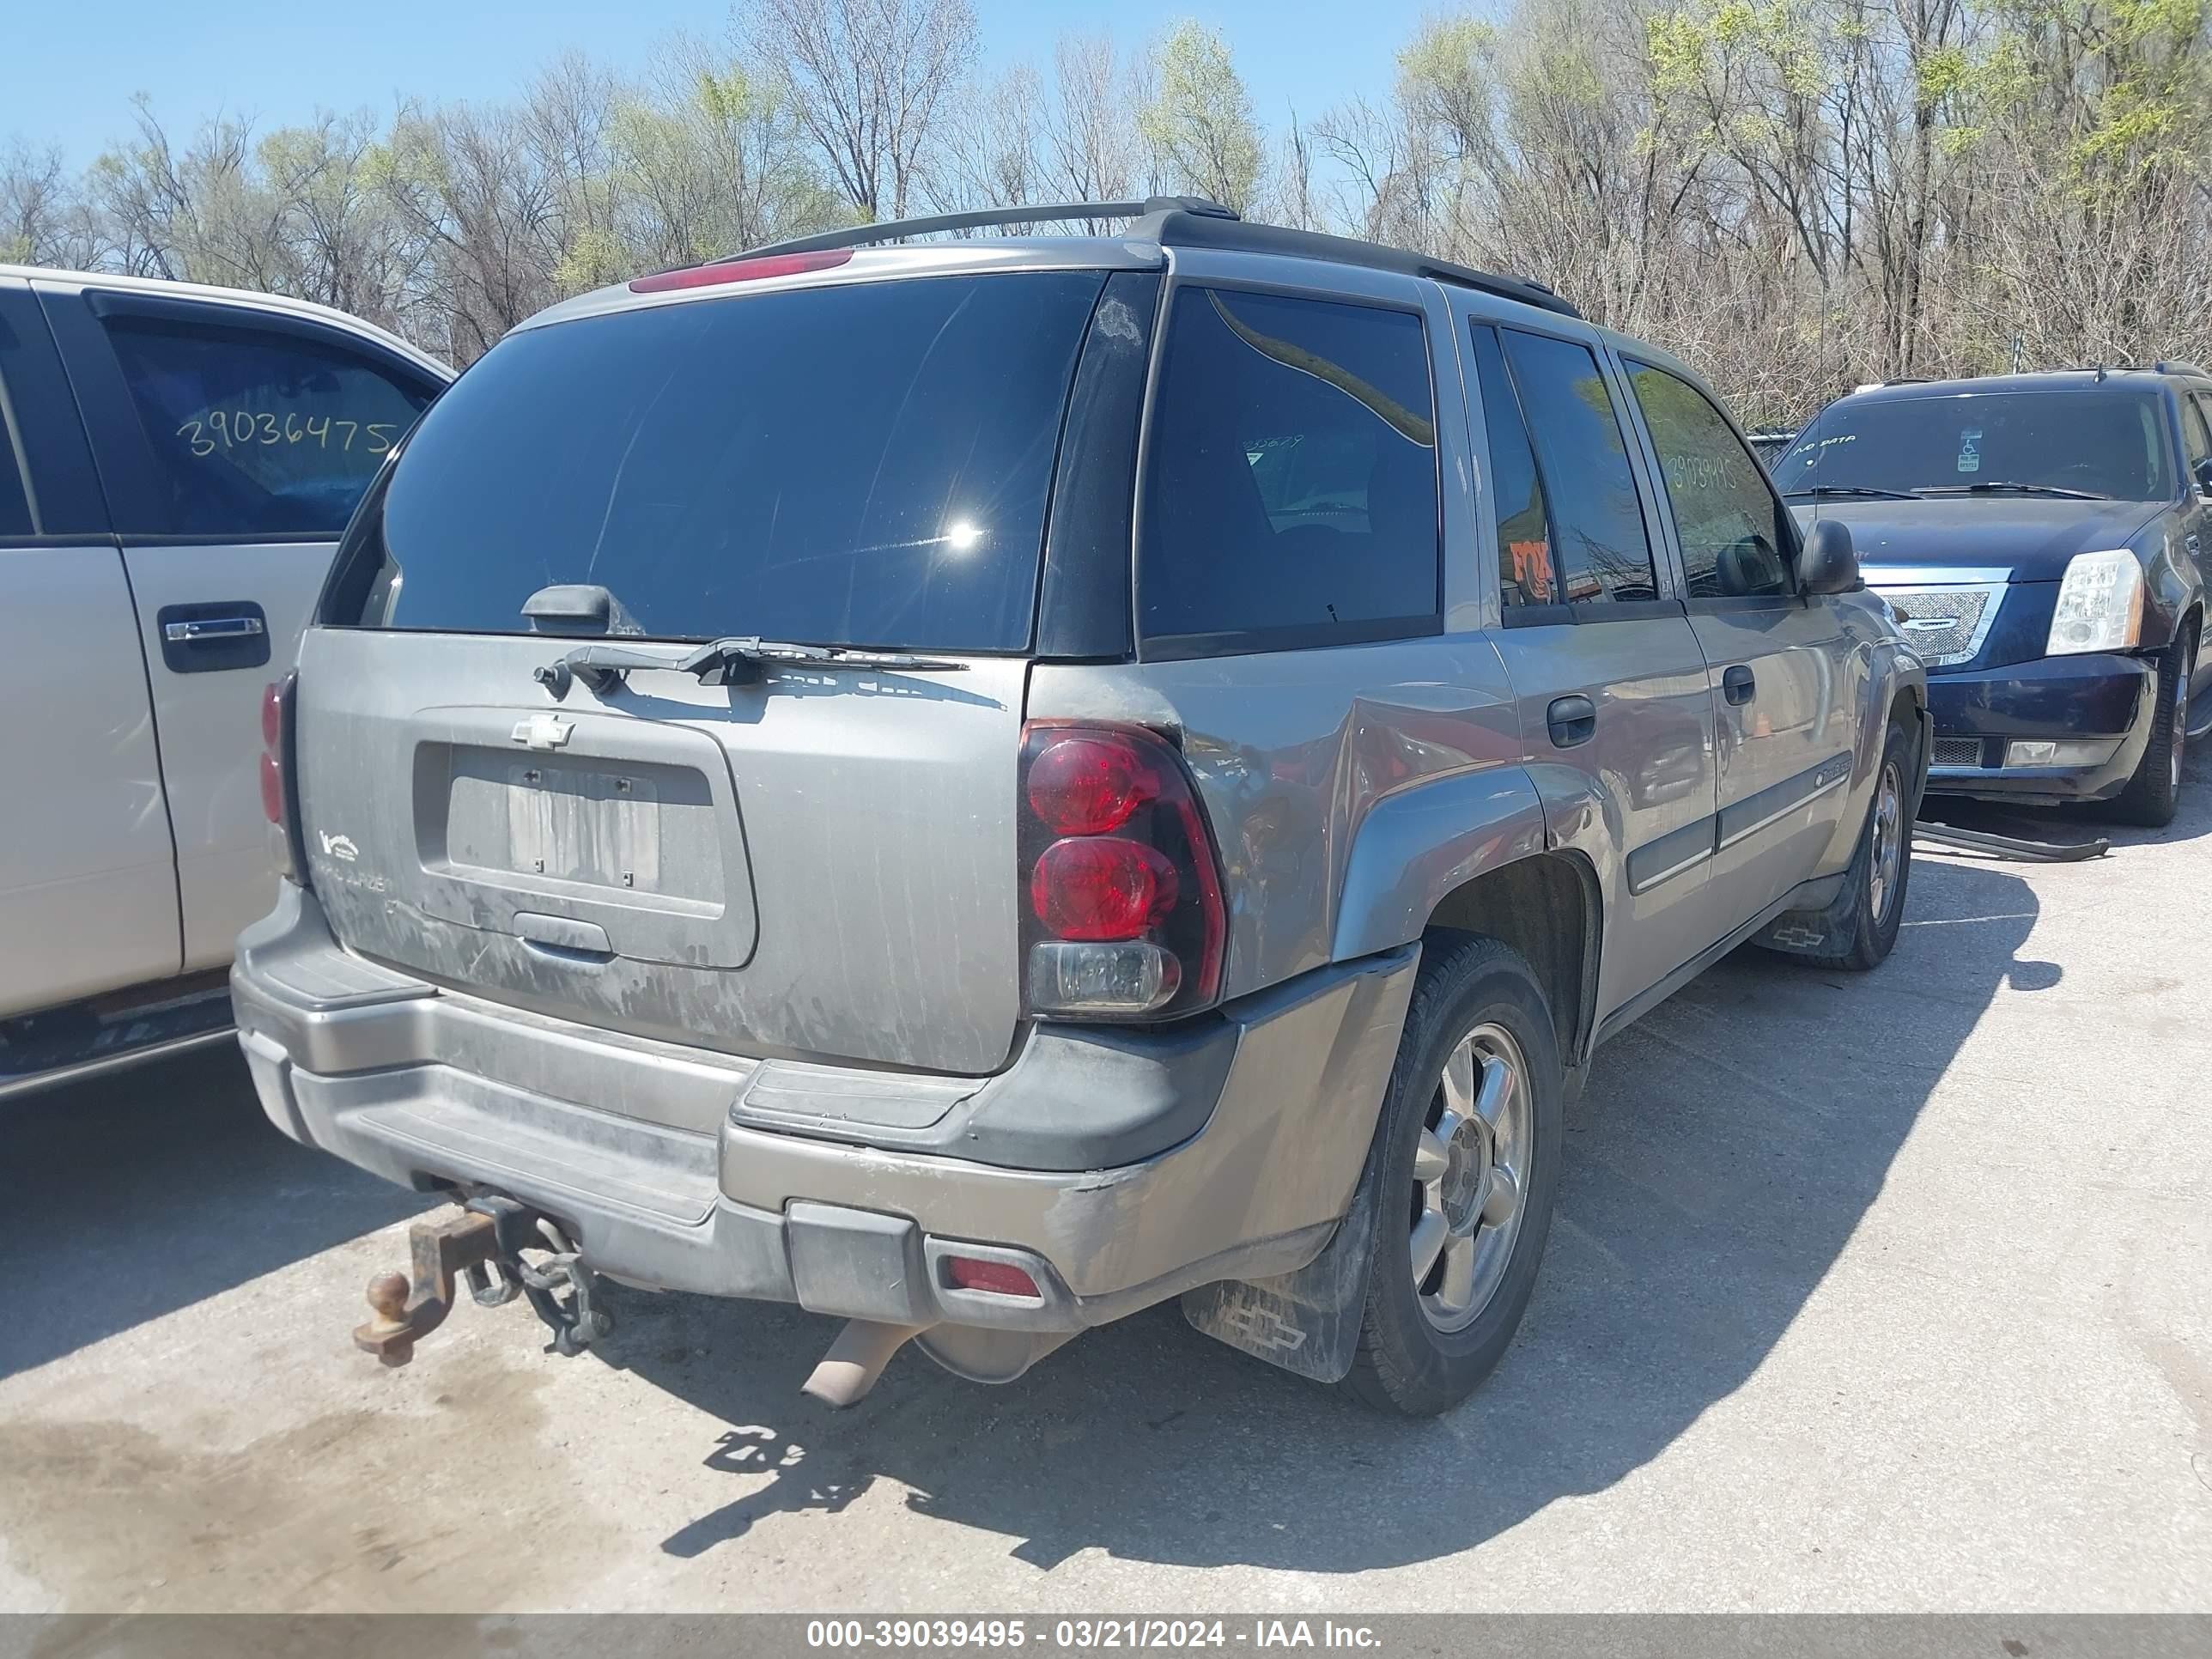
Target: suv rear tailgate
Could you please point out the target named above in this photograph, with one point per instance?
(819, 866)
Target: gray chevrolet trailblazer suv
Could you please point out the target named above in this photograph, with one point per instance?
(978, 786)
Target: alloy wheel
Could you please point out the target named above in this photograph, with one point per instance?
(1888, 842)
(1470, 1173)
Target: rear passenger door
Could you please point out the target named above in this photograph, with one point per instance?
(1786, 685)
(1606, 670)
(233, 445)
(88, 883)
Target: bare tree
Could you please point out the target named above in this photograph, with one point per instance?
(866, 79)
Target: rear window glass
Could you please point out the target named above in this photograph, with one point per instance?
(2100, 441)
(866, 464)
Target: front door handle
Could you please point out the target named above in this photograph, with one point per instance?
(212, 628)
(214, 635)
(1737, 685)
(1573, 721)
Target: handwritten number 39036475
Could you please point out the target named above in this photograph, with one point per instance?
(239, 427)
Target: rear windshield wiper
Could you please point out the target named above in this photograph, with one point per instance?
(1863, 491)
(2006, 487)
(731, 661)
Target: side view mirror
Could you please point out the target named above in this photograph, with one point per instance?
(1829, 564)
(2203, 470)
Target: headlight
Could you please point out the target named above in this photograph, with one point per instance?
(2100, 604)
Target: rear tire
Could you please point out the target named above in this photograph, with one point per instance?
(1883, 867)
(1469, 1144)
(2154, 792)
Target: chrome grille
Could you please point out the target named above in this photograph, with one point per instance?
(1946, 625)
(1957, 751)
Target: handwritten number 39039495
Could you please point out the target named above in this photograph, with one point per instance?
(239, 427)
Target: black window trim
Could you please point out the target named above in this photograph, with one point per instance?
(1785, 520)
(130, 476)
(1258, 641)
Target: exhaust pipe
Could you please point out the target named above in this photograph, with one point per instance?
(855, 1360)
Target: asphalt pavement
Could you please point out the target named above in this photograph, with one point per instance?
(1890, 1292)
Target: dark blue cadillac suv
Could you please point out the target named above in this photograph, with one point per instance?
(2042, 539)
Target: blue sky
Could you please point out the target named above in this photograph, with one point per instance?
(68, 71)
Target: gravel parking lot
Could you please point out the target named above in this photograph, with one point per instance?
(1891, 1292)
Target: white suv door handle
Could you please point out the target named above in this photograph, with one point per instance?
(211, 627)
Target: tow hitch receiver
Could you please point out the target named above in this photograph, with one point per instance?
(483, 1245)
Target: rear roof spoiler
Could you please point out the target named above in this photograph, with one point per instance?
(1190, 222)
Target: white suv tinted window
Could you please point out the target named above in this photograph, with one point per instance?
(257, 434)
(1734, 544)
(1291, 495)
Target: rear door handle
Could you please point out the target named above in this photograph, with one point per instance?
(1573, 721)
(1737, 685)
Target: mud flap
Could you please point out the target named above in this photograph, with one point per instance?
(1307, 1322)
(1830, 931)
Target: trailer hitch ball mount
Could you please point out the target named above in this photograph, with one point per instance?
(482, 1246)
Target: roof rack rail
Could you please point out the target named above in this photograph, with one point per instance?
(2177, 366)
(1189, 221)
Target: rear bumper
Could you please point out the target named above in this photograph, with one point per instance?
(686, 1169)
(2103, 699)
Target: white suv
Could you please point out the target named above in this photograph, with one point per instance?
(176, 464)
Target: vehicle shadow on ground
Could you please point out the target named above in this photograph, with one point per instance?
(1725, 1151)
(126, 1197)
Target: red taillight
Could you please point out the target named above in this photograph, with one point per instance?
(1125, 918)
(1101, 887)
(272, 716)
(970, 1272)
(272, 789)
(1088, 786)
(742, 270)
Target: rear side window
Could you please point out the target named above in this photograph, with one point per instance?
(259, 434)
(1735, 543)
(1602, 552)
(1291, 492)
(1516, 489)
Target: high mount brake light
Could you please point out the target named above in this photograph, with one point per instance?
(742, 270)
(1124, 917)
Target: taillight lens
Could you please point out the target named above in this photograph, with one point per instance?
(1088, 785)
(272, 789)
(278, 804)
(1101, 887)
(1125, 917)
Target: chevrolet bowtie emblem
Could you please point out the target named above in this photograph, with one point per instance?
(544, 730)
